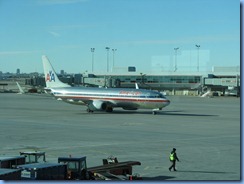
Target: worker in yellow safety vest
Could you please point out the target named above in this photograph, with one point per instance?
(173, 157)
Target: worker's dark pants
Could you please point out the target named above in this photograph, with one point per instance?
(173, 164)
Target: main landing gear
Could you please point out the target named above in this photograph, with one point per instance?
(108, 109)
(154, 112)
(89, 110)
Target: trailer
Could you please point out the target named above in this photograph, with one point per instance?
(43, 171)
(119, 168)
(11, 161)
(10, 174)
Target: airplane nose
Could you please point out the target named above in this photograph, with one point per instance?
(167, 102)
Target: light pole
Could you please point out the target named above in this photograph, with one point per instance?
(142, 78)
(107, 48)
(176, 49)
(92, 51)
(198, 46)
(113, 57)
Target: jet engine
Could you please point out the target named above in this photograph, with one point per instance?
(98, 105)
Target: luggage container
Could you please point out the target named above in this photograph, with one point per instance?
(43, 171)
(10, 174)
(11, 161)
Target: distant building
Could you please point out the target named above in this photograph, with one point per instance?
(77, 79)
(62, 72)
(18, 71)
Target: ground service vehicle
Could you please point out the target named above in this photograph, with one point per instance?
(110, 170)
(33, 166)
(33, 157)
(76, 167)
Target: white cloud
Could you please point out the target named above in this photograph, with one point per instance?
(55, 34)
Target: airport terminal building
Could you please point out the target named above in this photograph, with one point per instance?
(219, 81)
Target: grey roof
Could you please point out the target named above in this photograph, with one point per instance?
(36, 166)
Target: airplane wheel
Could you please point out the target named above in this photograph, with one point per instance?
(89, 110)
(109, 109)
(154, 112)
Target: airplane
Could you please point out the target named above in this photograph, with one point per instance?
(102, 99)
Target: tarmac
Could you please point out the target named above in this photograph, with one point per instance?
(205, 131)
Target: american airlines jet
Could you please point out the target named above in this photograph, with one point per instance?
(102, 99)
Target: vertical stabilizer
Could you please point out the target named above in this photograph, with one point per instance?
(21, 91)
(51, 77)
(136, 85)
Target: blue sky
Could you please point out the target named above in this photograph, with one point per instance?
(144, 32)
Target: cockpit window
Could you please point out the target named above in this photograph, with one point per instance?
(161, 95)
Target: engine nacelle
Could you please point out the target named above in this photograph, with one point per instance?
(97, 105)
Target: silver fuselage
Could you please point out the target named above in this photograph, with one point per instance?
(125, 98)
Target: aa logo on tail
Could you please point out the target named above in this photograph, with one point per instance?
(50, 77)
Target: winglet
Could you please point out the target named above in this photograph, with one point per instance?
(51, 78)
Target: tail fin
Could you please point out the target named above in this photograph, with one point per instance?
(51, 77)
(136, 85)
(21, 91)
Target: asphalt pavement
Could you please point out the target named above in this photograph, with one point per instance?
(205, 131)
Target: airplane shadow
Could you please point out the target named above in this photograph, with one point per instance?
(160, 113)
(207, 172)
(176, 113)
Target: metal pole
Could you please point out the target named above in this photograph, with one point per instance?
(113, 57)
(198, 46)
(107, 48)
(176, 58)
(92, 50)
